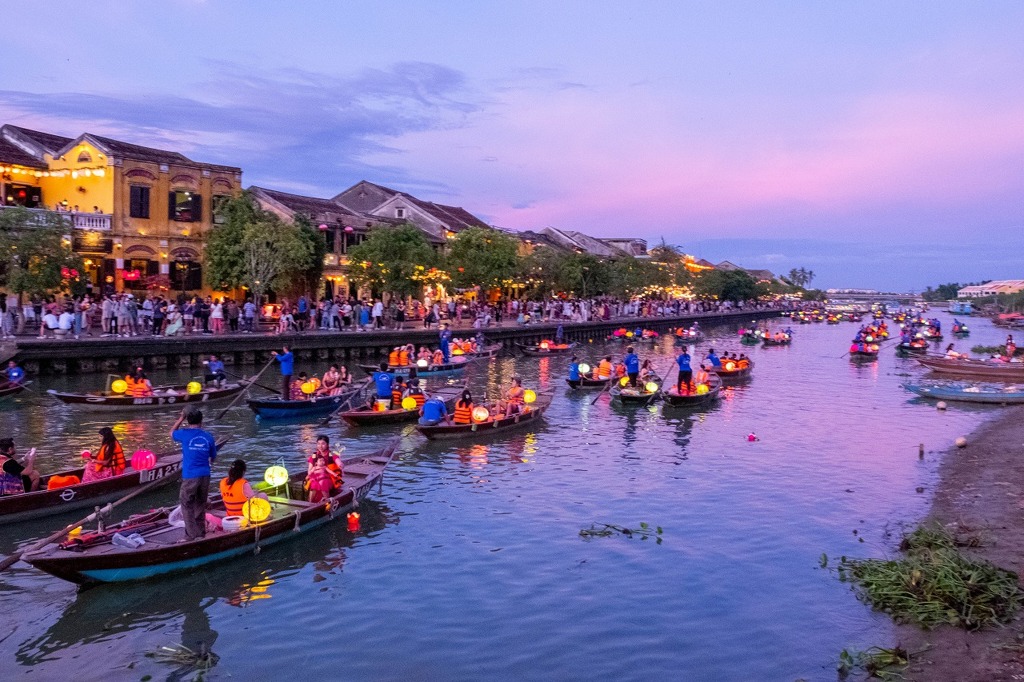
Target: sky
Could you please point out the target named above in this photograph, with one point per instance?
(877, 144)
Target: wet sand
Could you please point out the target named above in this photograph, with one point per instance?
(980, 494)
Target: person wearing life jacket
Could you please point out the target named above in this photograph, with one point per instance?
(323, 477)
(464, 408)
(129, 381)
(16, 478)
(513, 403)
(397, 392)
(331, 382)
(235, 489)
(109, 459)
(743, 362)
(395, 357)
(620, 370)
(416, 393)
(604, 368)
(437, 358)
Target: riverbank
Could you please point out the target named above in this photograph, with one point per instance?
(980, 494)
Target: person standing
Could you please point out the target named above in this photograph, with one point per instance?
(383, 382)
(685, 371)
(444, 343)
(302, 313)
(632, 363)
(198, 451)
(287, 361)
(249, 315)
(378, 314)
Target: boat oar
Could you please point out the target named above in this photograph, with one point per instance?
(607, 387)
(253, 383)
(242, 393)
(347, 402)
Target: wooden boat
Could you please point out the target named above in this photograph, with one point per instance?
(9, 389)
(456, 365)
(961, 331)
(906, 349)
(932, 336)
(1011, 395)
(489, 428)
(586, 383)
(694, 399)
(981, 369)
(277, 408)
(488, 351)
(750, 339)
(364, 415)
(863, 355)
(551, 349)
(59, 500)
(163, 397)
(628, 395)
(769, 341)
(689, 336)
(93, 558)
(734, 374)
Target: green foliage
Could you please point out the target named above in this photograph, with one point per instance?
(308, 277)
(630, 276)
(482, 257)
(389, 258)
(584, 275)
(666, 253)
(800, 277)
(606, 530)
(33, 253)
(876, 662)
(727, 285)
(944, 292)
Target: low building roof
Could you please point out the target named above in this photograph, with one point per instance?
(12, 154)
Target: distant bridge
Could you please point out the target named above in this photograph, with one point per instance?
(871, 296)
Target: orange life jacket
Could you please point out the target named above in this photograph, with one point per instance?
(394, 358)
(403, 358)
(130, 391)
(604, 369)
(419, 398)
(438, 358)
(620, 370)
(114, 461)
(396, 398)
(463, 412)
(743, 364)
(515, 396)
(233, 496)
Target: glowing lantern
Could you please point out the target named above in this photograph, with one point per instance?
(623, 381)
(353, 521)
(422, 363)
(481, 414)
(629, 335)
(86, 454)
(307, 387)
(409, 403)
(193, 387)
(869, 338)
(874, 346)
(651, 386)
(584, 368)
(143, 460)
(702, 389)
(256, 509)
(119, 386)
(544, 345)
(457, 351)
(316, 382)
(730, 366)
(529, 396)
(276, 475)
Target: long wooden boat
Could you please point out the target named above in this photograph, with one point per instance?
(488, 351)
(45, 502)
(456, 365)
(586, 383)
(277, 408)
(734, 374)
(982, 369)
(694, 399)
(627, 395)
(750, 339)
(9, 389)
(364, 415)
(163, 397)
(93, 558)
(536, 349)
(489, 428)
(1011, 395)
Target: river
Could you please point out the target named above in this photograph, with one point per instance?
(469, 564)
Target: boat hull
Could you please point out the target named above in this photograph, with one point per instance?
(542, 352)
(364, 416)
(672, 399)
(982, 397)
(487, 429)
(276, 408)
(975, 368)
(448, 369)
(88, 401)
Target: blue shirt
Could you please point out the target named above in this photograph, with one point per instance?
(383, 381)
(434, 410)
(574, 371)
(303, 306)
(198, 449)
(287, 360)
(684, 362)
(15, 374)
(713, 359)
(216, 366)
(632, 362)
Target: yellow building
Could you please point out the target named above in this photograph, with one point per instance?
(138, 214)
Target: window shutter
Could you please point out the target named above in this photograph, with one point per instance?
(133, 201)
(171, 201)
(197, 208)
(152, 268)
(144, 202)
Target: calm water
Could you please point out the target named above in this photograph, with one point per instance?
(469, 565)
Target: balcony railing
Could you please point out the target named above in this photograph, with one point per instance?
(93, 222)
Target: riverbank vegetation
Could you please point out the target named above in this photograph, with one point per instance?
(36, 258)
(996, 350)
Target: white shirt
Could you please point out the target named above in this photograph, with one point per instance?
(378, 309)
(50, 320)
(65, 321)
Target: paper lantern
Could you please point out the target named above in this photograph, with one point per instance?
(869, 338)
(119, 386)
(349, 229)
(276, 475)
(629, 335)
(353, 521)
(874, 346)
(544, 345)
(256, 509)
(529, 396)
(702, 389)
(143, 460)
(307, 387)
(651, 386)
(584, 368)
(316, 382)
(730, 366)
(457, 351)
(193, 387)
(86, 454)
(481, 414)
(323, 227)
(422, 363)
(623, 381)
(409, 403)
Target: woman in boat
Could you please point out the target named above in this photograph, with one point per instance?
(138, 384)
(331, 383)
(424, 354)
(952, 354)
(514, 402)
(604, 368)
(647, 372)
(464, 408)
(404, 353)
(437, 358)
(323, 472)
(235, 489)
(416, 393)
(109, 458)
(16, 478)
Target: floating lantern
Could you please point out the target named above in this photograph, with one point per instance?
(651, 386)
(853, 348)
(119, 386)
(584, 368)
(256, 509)
(353, 521)
(409, 403)
(193, 387)
(869, 338)
(624, 381)
(961, 442)
(481, 414)
(307, 387)
(874, 346)
(143, 460)
(751, 437)
(529, 396)
(457, 351)
(629, 335)
(941, 405)
(730, 366)
(422, 363)
(276, 475)
(702, 389)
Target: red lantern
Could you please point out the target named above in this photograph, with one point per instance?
(349, 229)
(143, 460)
(353, 521)
(323, 227)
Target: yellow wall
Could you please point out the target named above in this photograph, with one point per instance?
(82, 183)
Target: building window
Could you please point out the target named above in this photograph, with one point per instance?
(139, 201)
(399, 212)
(185, 207)
(84, 157)
(217, 205)
(188, 275)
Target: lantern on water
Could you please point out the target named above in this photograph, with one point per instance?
(256, 509)
(276, 475)
(119, 386)
(651, 386)
(623, 381)
(874, 346)
(702, 389)
(409, 403)
(481, 414)
(193, 387)
(143, 460)
(730, 366)
(529, 396)
(353, 521)
(869, 338)
(584, 368)
(307, 387)
(457, 351)
(422, 363)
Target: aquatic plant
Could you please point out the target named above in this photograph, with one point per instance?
(934, 583)
(995, 350)
(876, 662)
(604, 530)
(202, 661)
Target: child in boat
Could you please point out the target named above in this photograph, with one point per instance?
(323, 471)
(16, 478)
(109, 458)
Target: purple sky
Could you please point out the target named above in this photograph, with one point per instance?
(879, 144)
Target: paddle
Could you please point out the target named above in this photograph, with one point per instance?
(346, 403)
(242, 393)
(891, 338)
(607, 387)
(253, 383)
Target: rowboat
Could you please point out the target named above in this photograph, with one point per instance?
(961, 331)
(628, 395)
(734, 374)
(45, 502)
(364, 415)
(750, 339)
(94, 558)
(982, 369)
(1011, 395)
(587, 383)
(689, 336)
(276, 407)
(769, 341)
(488, 351)
(163, 397)
(692, 398)
(454, 366)
(499, 425)
(8, 389)
(551, 349)
(863, 355)
(906, 349)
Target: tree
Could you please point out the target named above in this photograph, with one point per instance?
(541, 270)
(584, 275)
(483, 257)
(944, 292)
(727, 285)
(35, 257)
(666, 253)
(800, 277)
(631, 276)
(390, 259)
(308, 278)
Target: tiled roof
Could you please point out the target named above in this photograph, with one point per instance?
(47, 141)
(13, 154)
(323, 210)
(138, 152)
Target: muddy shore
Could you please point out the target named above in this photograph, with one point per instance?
(980, 492)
